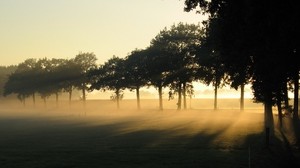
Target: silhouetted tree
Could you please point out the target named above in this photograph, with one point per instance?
(110, 76)
(23, 81)
(85, 62)
(265, 33)
(157, 67)
(136, 71)
(176, 46)
(5, 71)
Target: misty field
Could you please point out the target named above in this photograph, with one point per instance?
(99, 135)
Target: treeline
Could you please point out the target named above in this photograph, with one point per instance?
(50, 76)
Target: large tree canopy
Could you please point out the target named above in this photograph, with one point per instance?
(257, 41)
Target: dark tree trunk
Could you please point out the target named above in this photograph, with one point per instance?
(269, 121)
(70, 96)
(179, 97)
(296, 96)
(286, 97)
(184, 95)
(83, 94)
(216, 98)
(23, 100)
(278, 103)
(138, 98)
(242, 100)
(45, 102)
(160, 98)
(33, 98)
(118, 98)
(84, 98)
(56, 98)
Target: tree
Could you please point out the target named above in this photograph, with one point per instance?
(5, 71)
(157, 66)
(177, 47)
(69, 73)
(23, 81)
(136, 72)
(110, 76)
(85, 62)
(268, 35)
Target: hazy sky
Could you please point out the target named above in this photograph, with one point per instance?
(63, 28)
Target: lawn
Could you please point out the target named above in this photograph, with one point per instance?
(131, 138)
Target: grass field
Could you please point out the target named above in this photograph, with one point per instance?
(64, 137)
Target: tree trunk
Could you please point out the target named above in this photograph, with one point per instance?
(215, 98)
(269, 121)
(296, 96)
(118, 98)
(33, 98)
(56, 98)
(84, 99)
(70, 96)
(23, 100)
(242, 100)
(179, 97)
(184, 96)
(83, 94)
(160, 98)
(45, 102)
(138, 98)
(278, 103)
(286, 97)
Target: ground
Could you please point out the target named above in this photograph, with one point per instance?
(64, 137)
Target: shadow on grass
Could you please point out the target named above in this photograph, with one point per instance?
(133, 142)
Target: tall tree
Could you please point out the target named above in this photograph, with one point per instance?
(269, 35)
(177, 45)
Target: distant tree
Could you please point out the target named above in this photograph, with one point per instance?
(23, 81)
(110, 76)
(85, 62)
(68, 72)
(5, 71)
(136, 72)
(50, 77)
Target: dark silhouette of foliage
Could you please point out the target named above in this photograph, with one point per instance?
(263, 36)
(110, 76)
(136, 71)
(5, 71)
(85, 62)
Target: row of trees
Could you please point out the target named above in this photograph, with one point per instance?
(175, 58)
(169, 61)
(47, 77)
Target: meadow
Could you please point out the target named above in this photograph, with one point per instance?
(100, 135)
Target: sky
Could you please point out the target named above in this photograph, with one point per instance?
(63, 28)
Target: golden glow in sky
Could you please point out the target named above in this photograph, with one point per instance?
(62, 28)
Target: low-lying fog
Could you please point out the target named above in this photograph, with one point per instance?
(227, 125)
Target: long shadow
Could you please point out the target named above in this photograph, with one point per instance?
(43, 142)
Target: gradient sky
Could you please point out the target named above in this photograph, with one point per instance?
(63, 28)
